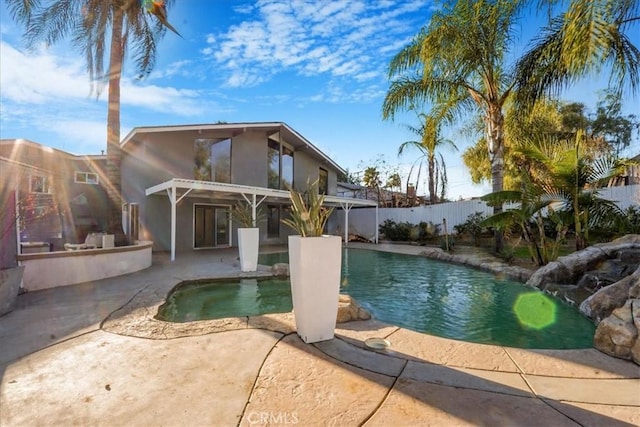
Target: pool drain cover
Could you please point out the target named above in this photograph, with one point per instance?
(377, 343)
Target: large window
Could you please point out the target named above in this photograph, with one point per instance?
(323, 181)
(280, 160)
(212, 160)
(39, 184)
(287, 168)
(273, 157)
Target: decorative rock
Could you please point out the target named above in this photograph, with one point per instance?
(634, 292)
(280, 269)
(630, 256)
(349, 310)
(601, 304)
(568, 269)
(617, 334)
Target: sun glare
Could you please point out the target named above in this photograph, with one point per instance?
(535, 310)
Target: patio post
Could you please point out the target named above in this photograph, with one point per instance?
(172, 198)
(253, 210)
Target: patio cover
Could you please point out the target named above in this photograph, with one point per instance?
(177, 189)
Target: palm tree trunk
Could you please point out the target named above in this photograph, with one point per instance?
(495, 139)
(114, 156)
(433, 197)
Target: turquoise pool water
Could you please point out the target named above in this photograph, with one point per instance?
(217, 299)
(412, 292)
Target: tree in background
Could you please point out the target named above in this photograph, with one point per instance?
(457, 63)
(615, 129)
(429, 141)
(555, 120)
(99, 28)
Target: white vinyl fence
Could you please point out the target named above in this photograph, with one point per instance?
(362, 220)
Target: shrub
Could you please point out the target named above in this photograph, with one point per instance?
(395, 231)
(472, 227)
(406, 231)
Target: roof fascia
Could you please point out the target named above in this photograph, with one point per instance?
(232, 126)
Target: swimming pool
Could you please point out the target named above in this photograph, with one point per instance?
(429, 296)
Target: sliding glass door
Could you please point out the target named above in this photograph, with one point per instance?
(211, 226)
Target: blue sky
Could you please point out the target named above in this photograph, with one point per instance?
(318, 65)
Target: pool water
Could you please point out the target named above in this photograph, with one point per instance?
(412, 292)
(217, 299)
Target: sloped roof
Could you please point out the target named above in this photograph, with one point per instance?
(299, 142)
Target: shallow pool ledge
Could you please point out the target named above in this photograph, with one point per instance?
(52, 269)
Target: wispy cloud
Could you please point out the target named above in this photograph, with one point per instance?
(47, 92)
(347, 39)
(45, 79)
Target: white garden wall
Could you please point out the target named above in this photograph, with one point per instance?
(52, 269)
(362, 220)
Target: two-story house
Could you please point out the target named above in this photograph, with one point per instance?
(180, 182)
(60, 196)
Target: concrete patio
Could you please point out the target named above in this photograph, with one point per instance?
(93, 354)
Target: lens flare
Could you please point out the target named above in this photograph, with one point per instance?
(535, 310)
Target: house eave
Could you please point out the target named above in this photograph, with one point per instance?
(302, 142)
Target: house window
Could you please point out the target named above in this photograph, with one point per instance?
(86, 178)
(273, 221)
(280, 166)
(39, 184)
(273, 156)
(212, 160)
(287, 168)
(323, 181)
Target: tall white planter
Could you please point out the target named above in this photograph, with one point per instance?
(314, 268)
(248, 243)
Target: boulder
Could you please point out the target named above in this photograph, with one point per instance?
(569, 269)
(349, 310)
(601, 304)
(280, 269)
(617, 335)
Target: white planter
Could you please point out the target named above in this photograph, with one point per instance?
(248, 243)
(314, 268)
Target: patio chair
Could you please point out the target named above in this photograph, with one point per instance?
(93, 241)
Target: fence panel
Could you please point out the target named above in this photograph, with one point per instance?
(362, 220)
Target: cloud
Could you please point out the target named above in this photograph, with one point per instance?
(351, 39)
(39, 78)
(47, 80)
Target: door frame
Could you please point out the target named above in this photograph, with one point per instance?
(229, 225)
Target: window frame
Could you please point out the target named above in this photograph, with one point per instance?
(46, 184)
(282, 148)
(323, 188)
(86, 178)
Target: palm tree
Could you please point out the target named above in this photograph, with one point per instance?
(580, 41)
(570, 174)
(92, 24)
(430, 140)
(457, 64)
